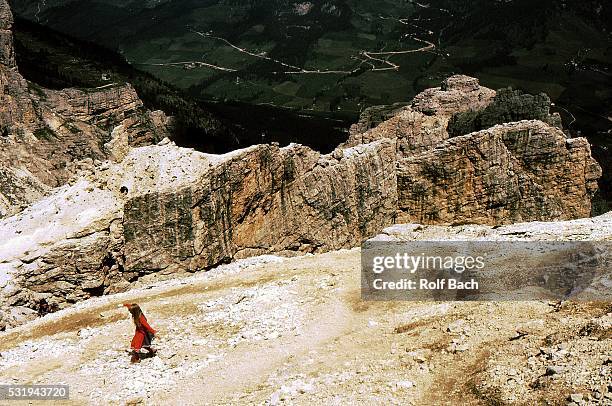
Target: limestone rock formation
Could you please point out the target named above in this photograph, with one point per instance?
(167, 209)
(413, 132)
(265, 200)
(373, 116)
(457, 94)
(508, 106)
(7, 53)
(423, 124)
(68, 129)
(45, 134)
(164, 208)
(522, 171)
(121, 209)
(440, 113)
(525, 171)
(17, 188)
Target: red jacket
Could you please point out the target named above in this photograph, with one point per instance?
(143, 334)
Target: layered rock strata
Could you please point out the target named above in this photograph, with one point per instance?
(168, 209)
(45, 135)
(165, 209)
(423, 123)
(7, 52)
(525, 171)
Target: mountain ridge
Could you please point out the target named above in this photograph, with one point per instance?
(169, 210)
(558, 48)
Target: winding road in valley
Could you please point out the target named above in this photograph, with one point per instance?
(375, 60)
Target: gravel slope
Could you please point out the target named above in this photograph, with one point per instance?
(294, 331)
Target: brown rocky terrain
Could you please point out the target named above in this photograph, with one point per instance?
(272, 330)
(96, 211)
(165, 209)
(521, 171)
(515, 172)
(423, 124)
(45, 135)
(7, 53)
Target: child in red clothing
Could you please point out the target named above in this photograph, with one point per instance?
(144, 334)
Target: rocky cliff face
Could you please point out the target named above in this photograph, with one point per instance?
(46, 135)
(263, 200)
(524, 171)
(423, 123)
(7, 53)
(165, 209)
(457, 94)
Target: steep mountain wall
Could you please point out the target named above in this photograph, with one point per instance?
(168, 209)
(7, 53)
(525, 171)
(46, 135)
(119, 212)
(423, 123)
(264, 200)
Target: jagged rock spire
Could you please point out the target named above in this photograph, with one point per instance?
(7, 52)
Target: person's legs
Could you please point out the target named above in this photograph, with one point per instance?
(148, 340)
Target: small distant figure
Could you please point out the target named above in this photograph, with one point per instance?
(144, 335)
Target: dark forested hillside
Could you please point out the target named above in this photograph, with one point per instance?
(346, 55)
(55, 60)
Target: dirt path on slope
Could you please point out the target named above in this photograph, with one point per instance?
(296, 331)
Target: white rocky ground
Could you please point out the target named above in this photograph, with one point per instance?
(271, 330)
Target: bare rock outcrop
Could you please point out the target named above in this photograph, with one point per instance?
(120, 212)
(45, 135)
(423, 124)
(51, 133)
(18, 189)
(169, 209)
(413, 132)
(264, 200)
(457, 94)
(7, 52)
(525, 171)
